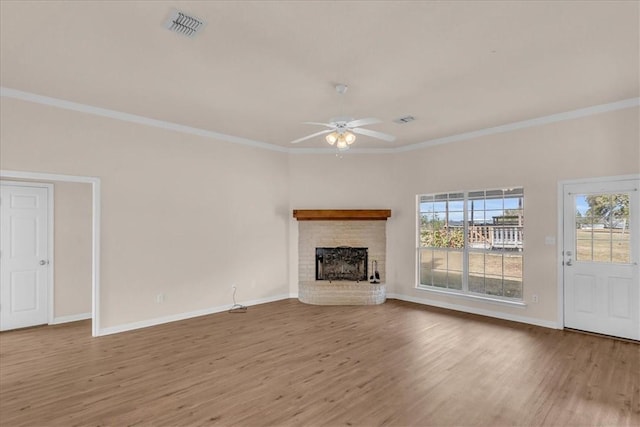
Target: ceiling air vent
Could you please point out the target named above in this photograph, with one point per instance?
(405, 119)
(182, 23)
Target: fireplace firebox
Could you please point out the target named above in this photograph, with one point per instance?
(342, 263)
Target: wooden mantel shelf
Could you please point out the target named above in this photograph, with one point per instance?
(341, 214)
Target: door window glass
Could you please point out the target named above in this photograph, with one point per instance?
(602, 228)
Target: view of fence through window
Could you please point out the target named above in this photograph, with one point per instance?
(602, 222)
(473, 241)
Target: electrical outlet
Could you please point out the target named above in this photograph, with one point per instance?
(535, 298)
(159, 298)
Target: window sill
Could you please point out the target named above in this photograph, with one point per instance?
(472, 297)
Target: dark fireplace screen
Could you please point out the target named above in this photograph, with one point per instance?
(342, 263)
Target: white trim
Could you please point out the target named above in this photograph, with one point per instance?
(293, 295)
(50, 237)
(95, 231)
(133, 118)
(473, 297)
(560, 238)
(559, 254)
(538, 121)
(70, 318)
(183, 316)
(480, 311)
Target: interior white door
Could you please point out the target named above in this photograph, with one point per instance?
(600, 257)
(24, 261)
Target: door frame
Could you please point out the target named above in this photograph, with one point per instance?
(560, 240)
(95, 232)
(50, 237)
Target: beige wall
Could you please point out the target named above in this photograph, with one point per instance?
(72, 249)
(182, 215)
(188, 216)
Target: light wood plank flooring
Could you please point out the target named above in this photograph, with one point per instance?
(286, 363)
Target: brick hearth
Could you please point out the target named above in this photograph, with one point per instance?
(314, 234)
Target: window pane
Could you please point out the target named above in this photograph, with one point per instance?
(426, 266)
(513, 192)
(428, 198)
(476, 283)
(439, 268)
(513, 265)
(493, 216)
(454, 279)
(493, 273)
(440, 206)
(457, 206)
(476, 263)
(476, 204)
(476, 272)
(583, 249)
(513, 275)
(479, 236)
(602, 245)
(620, 249)
(513, 203)
(601, 227)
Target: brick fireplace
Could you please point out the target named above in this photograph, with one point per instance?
(341, 229)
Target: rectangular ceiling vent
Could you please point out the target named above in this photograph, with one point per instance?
(182, 23)
(405, 119)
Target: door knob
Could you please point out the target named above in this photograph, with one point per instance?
(569, 263)
(43, 262)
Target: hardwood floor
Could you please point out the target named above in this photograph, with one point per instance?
(286, 363)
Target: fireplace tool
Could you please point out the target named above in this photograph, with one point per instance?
(375, 275)
(237, 308)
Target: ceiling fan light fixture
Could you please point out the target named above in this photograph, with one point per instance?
(342, 143)
(332, 138)
(349, 137)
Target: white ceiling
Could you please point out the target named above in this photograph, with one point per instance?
(260, 69)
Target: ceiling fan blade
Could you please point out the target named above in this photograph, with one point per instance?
(374, 134)
(329, 125)
(363, 122)
(313, 135)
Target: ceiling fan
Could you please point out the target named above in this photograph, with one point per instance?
(341, 130)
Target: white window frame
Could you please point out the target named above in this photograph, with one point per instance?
(464, 292)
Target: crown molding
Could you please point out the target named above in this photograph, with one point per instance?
(538, 121)
(133, 118)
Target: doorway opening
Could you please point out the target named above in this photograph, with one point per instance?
(95, 230)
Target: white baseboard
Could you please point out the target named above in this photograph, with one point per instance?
(70, 318)
(480, 311)
(183, 316)
(293, 295)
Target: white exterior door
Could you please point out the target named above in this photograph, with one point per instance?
(600, 257)
(24, 257)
